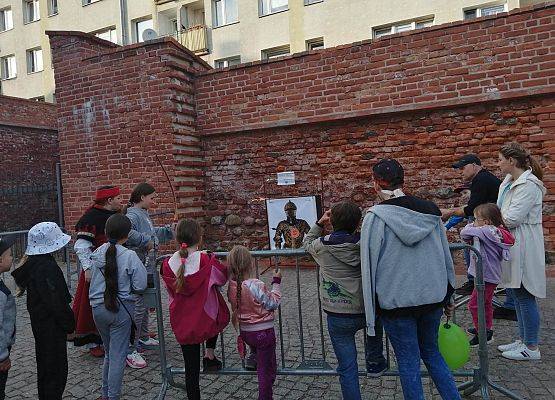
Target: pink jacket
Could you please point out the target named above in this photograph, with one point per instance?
(198, 311)
(256, 312)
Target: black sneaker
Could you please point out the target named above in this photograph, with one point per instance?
(474, 342)
(504, 313)
(211, 365)
(472, 331)
(466, 289)
(375, 370)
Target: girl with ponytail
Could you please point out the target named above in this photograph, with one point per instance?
(253, 308)
(198, 311)
(520, 200)
(117, 274)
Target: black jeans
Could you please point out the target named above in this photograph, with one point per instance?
(51, 355)
(191, 356)
(3, 379)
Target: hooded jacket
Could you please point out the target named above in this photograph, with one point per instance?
(520, 202)
(405, 257)
(7, 321)
(131, 275)
(47, 295)
(338, 256)
(494, 247)
(198, 311)
(143, 231)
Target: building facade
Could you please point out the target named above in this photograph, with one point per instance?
(222, 32)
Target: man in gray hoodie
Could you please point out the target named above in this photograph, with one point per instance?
(408, 277)
(338, 255)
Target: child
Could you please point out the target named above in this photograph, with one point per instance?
(48, 304)
(143, 238)
(7, 313)
(116, 274)
(198, 311)
(494, 241)
(338, 255)
(253, 308)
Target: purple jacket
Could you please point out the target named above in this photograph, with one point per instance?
(492, 248)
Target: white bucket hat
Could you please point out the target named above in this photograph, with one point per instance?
(45, 238)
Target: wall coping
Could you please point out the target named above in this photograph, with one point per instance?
(53, 108)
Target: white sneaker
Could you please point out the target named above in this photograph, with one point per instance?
(135, 360)
(149, 342)
(510, 347)
(523, 353)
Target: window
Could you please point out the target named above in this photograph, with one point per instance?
(39, 98)
(6, 19)
(309, 2)
(52, 7)
(268, 7)
(315, 44)
(274, 52)
(7, 67)
(87, 2)
(34, 61)
(402, 27)
(140, 27)
(472, 13)
(227, 62)
(225, 12)
(31, 11)
(108, 34)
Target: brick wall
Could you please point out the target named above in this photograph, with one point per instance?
(29, 147)
(424, 97)
(120, 108)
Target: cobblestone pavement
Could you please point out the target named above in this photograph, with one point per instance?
(531, 380)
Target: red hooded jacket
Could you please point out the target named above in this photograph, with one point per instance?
(198, 311)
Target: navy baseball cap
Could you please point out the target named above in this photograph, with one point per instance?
(390, 171)
(6, 242)
(466, 160)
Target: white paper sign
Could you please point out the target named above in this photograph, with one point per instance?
(286, 178)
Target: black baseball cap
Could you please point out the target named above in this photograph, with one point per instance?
(390, 171)
(466, 160)
(6, 242)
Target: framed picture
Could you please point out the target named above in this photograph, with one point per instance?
(290, 219)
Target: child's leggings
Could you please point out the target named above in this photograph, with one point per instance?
(191, 356)
(264, 342)
(488, 298)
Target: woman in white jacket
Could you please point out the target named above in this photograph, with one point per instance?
(520, 199)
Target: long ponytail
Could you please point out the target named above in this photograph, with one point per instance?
(240, 263)
(188, 233)
(118, 227)
(524, 160)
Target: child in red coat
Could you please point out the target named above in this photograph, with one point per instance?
(198, 312)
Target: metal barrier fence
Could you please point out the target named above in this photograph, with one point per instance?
(479, 378)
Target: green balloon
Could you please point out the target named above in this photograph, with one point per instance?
(453, 345)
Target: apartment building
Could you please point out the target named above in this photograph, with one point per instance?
(222, 32)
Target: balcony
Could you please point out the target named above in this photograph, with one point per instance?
(194, 38)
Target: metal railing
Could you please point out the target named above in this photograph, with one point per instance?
(479, 381)
(194, 38)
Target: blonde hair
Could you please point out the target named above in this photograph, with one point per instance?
(240, 264)
(523, 158)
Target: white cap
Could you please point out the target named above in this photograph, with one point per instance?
(45, 238)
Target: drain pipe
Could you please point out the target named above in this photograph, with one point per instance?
(124, 22)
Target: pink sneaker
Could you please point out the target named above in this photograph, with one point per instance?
(135, 360)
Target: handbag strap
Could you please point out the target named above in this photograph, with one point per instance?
(123, 304)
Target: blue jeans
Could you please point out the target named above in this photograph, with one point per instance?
(414, 338)
(342, 332)
(527, 314)
(115, 329)
(509, 302)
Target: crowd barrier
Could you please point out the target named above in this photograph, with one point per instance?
(479, 379)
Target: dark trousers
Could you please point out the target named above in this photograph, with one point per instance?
(191, 356)
(3, 379)
(51, 354)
